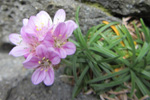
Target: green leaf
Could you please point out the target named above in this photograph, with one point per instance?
(94, 68)
(133, 76)
(146, 73)
(98, 87)
(76, 43)
(143, 52)
(145, 31)
(108, 76)
(130, 40)
(108, 53)
(92, 31)
(108, 59)
(75, 90)
(78, 33)
(105, 69)
(100, 31)
(136, 31)
(141, 86)
(74, 60)
(116, 42)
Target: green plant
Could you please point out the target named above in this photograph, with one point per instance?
(104, 60)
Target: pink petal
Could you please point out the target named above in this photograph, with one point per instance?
(30, 28)
(61, 52)
(60, 16)
(29, 56)
(28, 38)
(70, 48)
(38, 76)
(48, 40)
(49, 78)
(60, 30)
(32, 63)
(39, 25)
(44, 18)
(53, 56)
(24, 35)
(25, 22)
(71, 26)
(15, 38)
(19, 51)
(41, 51)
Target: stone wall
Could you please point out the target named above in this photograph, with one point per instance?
(138, 8)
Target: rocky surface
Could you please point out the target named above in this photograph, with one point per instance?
(138, 8)
(25, 90)
(15, 82)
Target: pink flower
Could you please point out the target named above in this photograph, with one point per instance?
(59, 38)
(59, 17)
(25, 45)
(33, 32)
(43, 42)
(21, 47)
(38, 25)
(41, 24)
(43, 62)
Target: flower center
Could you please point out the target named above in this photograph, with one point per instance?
(39, 27)
(58, 43)
(45, 62)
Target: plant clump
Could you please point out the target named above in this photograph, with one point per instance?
(109, 60)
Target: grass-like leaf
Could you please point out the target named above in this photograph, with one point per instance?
(132, 82)
(100, 32)
(145, 31)
(75, 90)
(74, 61)
(141, 86)
(98, 87)
(143, 51)
(130, 41)
(108, 76)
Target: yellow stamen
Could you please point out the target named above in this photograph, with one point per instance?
(37, 29)
(43, 58)
(39, 62)
(60, 35)
(64, 42)
(42, 23)
(41, 69)
(46, 70)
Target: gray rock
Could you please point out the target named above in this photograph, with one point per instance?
(11, 73)
(25, 90)
(138, 8)
(13, 11)
(11, 67)
(15, 83)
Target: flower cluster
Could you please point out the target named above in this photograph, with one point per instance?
(44, 43)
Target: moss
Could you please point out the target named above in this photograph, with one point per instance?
(99, 6)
